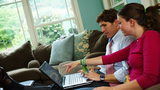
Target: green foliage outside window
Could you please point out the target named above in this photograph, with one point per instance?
(51, 32)
(117, 1)
(156, 1)
(119, 7)
(9, 25)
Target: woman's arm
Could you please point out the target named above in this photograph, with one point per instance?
(116, 56)
(92, 61)
(101, 60)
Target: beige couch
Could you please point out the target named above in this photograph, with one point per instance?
(23, 63)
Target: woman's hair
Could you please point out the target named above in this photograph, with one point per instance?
(107, 15)
(148, 18)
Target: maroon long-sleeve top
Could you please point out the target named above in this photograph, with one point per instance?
(143, 57)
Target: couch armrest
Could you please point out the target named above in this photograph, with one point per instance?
(95, 54)
(34, 64)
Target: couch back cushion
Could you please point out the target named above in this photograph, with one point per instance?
(18, 58)
(97, 41)
(42, 52)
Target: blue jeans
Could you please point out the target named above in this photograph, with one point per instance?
(86, 88)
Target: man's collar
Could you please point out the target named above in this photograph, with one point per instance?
(116, 36)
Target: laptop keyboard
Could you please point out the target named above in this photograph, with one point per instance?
(77, 78)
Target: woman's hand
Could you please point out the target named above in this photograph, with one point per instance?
(72, 65)
(104, 88)
(93, 75)
(82, 72)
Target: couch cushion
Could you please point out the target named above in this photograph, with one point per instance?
(95, 54)
(97, 41)
(24, 74)
(42, 52)
(81, 45)
(34, 64)
(62, 50)
(18, 58)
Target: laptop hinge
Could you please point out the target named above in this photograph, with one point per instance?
(63, 80)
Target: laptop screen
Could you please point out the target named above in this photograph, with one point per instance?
(52, 73)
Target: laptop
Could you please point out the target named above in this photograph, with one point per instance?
(67, 81)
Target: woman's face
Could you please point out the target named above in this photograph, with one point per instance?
(124, 25)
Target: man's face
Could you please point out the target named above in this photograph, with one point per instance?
(110, 29)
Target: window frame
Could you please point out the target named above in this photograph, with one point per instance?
(117, 4)
(147, 3)
(109, 3)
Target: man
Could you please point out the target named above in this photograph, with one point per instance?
(108, 21)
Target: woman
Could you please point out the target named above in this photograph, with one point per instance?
(142, 54)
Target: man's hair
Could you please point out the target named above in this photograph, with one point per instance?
(107, 15)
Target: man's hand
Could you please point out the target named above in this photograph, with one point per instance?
(93, 75)
(81, 71)
(94, 68)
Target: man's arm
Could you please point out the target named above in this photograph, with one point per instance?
(120, 74)
(111, 78)
(96, 77)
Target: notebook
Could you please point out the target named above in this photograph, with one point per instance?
(67, 81)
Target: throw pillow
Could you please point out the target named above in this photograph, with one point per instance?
(81, 45)
(62, 50)
(42, 52)
(18, 58)
(97, 41)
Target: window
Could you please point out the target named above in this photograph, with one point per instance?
(36, 20)
(53, 19)
(13, 27)
(156, 1)
(117, 4)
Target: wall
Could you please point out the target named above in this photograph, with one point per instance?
(89, 10)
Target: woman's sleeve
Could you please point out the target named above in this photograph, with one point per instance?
(116, 56)
(151, 60)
